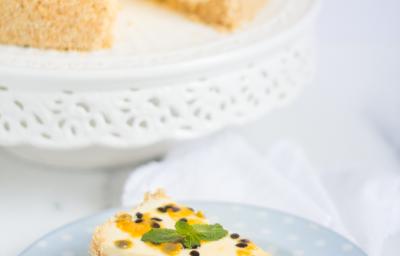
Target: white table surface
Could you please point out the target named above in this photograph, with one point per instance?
(359, 55)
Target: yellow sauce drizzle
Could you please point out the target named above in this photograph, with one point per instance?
(189, 214)
(172, 249)
(200, 214)
(247, 251)
(126, 223)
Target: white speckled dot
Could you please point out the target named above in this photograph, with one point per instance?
(265, 231)
(42, 244)
(298, 253)
(68, 253)
(262, 214)
(288, 220)
(293, 237)
(313, 226)
(214, 219)
(239, 225)
(347, 247)
(66, 237)
(272, 249)
(320, 243)
(235, 208)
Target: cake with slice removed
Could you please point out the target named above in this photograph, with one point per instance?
(160, 226)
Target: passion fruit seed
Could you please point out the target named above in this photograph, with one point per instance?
(162, 209)
(235, 236)
(155, 225)
(241, 245)
(194, 253)
(123, 244)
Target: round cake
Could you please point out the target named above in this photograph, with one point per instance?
(86, 25)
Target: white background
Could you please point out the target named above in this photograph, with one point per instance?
(348, 120)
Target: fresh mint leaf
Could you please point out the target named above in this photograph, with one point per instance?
(209, 232)
(185, 229)
(191, 241)
(162, 235)
(189, 235)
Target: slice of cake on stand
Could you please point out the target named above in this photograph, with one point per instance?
(160, 226)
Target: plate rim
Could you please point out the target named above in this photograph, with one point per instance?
(209, 202)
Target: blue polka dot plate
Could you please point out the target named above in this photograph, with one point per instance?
(279, 233)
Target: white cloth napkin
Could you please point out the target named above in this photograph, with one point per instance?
(227, 168)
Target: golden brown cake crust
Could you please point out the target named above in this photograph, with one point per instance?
(96, 243)
(226, 14)
(58, 24)
(99, 234)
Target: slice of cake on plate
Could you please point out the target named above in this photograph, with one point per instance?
(58, 24)
(160, 226)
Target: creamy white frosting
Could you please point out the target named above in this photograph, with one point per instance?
(109, 233)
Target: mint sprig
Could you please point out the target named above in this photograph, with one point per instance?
(189, 235)
(210, 232)
(162, 235)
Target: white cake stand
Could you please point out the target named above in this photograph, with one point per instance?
(167, 79)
